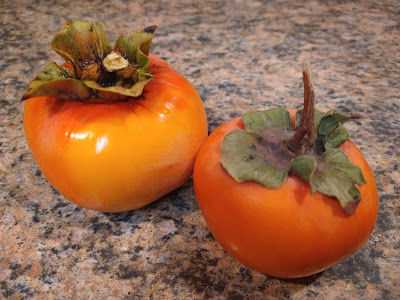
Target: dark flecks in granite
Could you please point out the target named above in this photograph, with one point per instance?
(48, 271)
(127, 272)
(358, 269)
(4, 104)
(230, 88)
(132, 219)
(235, 295)
(59, 205)
(199, 278)
(18, 288)
(384, 216)
(18, 270)
(101, 227)
(169, 236)
(48, 231)
(205, 91)
(105, 228)
(196, 74)
(312, 294)
(180, 204)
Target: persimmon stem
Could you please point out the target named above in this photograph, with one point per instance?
(306, 127)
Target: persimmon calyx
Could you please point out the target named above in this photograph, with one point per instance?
(100, 71)
(259, 153)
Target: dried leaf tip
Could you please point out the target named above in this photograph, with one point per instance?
(151, 29)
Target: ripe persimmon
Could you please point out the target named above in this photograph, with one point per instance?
(112, 135)
(295, 227)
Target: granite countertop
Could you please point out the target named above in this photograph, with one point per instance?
(239, 55)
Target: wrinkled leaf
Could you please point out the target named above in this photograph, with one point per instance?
(259, 121)
(56, 81)
(303, 166)
(141, 75)
(333, 174)
(242, 161)
(324, 122)
(318, 116)
(337, 138)
(337, 176)
(84, 44)
(136, 46)
(330, 122)
(133, 91)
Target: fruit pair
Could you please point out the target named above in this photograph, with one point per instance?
(116, 128)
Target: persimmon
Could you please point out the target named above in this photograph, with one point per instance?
(286, 193)
(112, 129)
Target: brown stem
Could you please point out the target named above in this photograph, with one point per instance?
(308, 114)
(294, 143)
(306, 126)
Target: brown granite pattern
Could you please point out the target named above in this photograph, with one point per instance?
(238, 55)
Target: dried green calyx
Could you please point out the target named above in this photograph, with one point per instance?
(99, 70)
(269, 148)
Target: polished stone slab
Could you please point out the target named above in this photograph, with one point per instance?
(239, 55)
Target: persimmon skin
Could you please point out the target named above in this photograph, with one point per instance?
(284, 232)
(120, 156)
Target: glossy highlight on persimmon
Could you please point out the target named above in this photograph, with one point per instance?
(114, 152)
(120, 156)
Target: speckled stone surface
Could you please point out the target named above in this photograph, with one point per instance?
(238, 55)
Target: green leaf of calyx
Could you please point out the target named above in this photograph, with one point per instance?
(132, 91)
(324, 122)
(330, 122)
(333, 174)
(136, 46)
(246, 154)
(57, 81)
(318, 116)
(337, 176)
(303, 166)
(85, 45)
(242, 161)
(259, 121)
(337, 138)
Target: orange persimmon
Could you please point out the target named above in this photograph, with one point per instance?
(287, 231)
(118, 154)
